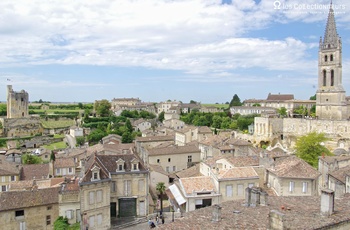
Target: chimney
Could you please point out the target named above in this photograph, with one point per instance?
(276, 220)
(263, 198)
(248, 196)
(216, 213)
(255, 197)
(327, 202)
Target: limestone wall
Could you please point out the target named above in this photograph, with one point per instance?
(287, 130)
(20, 127)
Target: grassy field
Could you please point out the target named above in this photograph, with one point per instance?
(57, 145)
(52, 111)
(225, 106)
(57, 124)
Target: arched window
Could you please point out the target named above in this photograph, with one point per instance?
(325, 58)
(332, 77)
(331, 57)
(324, 77)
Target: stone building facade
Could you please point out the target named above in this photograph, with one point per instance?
(17, 103)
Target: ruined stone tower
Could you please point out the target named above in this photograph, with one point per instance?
(330, 97)
(17, 103)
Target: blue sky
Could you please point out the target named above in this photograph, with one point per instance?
(203, 50)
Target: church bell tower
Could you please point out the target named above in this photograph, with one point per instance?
(330, 96)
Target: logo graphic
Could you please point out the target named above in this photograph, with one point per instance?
(277, 5)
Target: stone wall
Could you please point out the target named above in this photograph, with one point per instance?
(287, 130)
(20, 127)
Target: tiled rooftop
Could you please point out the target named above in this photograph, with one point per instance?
(197, 184)
(155, 138)
(238, 173)
(293, 167)
(21, 199)
(67, 162)
(340, 174)
(189, 172)
(331, 159)
(34, 171)
(241, 161)
(174, 150)
(7, 168)
(299, 213)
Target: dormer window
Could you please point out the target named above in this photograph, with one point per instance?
(95, 173)
(135, 164)
(120, 165)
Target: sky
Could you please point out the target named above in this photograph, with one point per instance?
(158, 50)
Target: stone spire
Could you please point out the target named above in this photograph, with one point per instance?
(331, 37)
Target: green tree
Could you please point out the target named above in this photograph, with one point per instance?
(313, 111)
(282, 111)
(31, 159)
(52, 156)
(309, 147)
(80, 105)
(1, 125)
(160, 187)
(127, 137)
(313, 97)
(61, 223)
(161, 116)
(3, 109)
(128, 126)
(102, 108)
(236, 101)
(217, 120)
(95, 136)
(80, 140)
(301, 110)
(257, 105)
(244, 121)
(193, 102)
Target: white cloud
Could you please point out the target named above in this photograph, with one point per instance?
(197, 36)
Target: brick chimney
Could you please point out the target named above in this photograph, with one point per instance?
(327, 202)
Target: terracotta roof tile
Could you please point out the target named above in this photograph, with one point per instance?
(293, 167)
(174, 150)
(238, 173)
(189, 172)
(8, 168)
(340, 174)
(155, 138)
(280, 97)
(34, 171)
(64, 162)
(331, 159)
(242, 161)
(197, 184)
(300, 213)
(22, 199)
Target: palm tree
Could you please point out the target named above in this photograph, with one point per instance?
(161, 189)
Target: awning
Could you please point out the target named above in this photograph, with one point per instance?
(177, 194)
